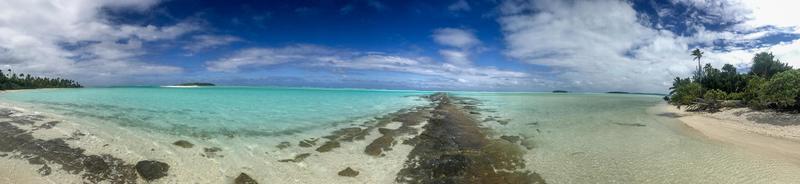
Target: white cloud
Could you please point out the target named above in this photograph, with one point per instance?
(73, 39)
(462, 39)
(311, 56)
(594, 45)
(455, 37)
(460, 5)
(204, 42)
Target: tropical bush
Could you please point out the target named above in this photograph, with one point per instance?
(685, 94)
(782, 91)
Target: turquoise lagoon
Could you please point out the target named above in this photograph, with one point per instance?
(210, 111)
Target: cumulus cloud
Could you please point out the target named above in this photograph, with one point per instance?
(73, 39)
(312, 56)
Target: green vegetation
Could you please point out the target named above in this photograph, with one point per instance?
(26, 81)
(560, 91)
(770, 84)
(196, 84)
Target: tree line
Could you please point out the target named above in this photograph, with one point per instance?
(9, 81)
(770, 84)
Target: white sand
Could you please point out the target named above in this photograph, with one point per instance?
(731, 126)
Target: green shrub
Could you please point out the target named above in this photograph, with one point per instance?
(686, 94)
(715, 95)
(753, 89)
(735, 96)
(782, 91)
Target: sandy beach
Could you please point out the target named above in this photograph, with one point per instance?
(769, 133)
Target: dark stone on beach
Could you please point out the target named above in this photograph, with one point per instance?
(95, 164)
(151, 170)
(328, 146)
(308, 143)
(44, 170)
(533, 123)
(244, 179)
(379, 145)
(3, 154)
(630, 124)
(36, 160)
(297, 158)
(183, 144)
(283, 145)
(348, 172)
(512, 139)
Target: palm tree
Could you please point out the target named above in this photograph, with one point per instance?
(697, 55)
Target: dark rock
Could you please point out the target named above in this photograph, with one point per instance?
(212, 152)
(630, 124)
(283, 145)
(244, 179)
(36, 160)
(503, 121)
(297, 158)
(45, 170)
(308, 143)
(47, 125)
(151, 170)
(183, 144)
(512, 139)
(328, 146)
(95, 164)
(449, 165)
(348, 172)
(379, 145)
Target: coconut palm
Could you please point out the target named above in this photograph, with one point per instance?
(697, 55)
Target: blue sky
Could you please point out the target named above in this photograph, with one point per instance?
(484, 45)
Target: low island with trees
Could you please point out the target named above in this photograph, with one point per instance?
(12, 81)
(195, 84)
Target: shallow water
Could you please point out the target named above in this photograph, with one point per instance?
(608, 138)
(571, 138)
(209, 111)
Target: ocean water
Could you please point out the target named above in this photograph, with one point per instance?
(210, 111)
(572, 138)
(611, 138)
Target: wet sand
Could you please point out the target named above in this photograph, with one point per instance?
(732, 126)
(439, 142)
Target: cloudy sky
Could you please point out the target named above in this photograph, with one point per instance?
(485, 45)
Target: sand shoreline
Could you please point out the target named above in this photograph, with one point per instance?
(736, 127)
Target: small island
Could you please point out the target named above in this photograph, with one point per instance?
(560, 91)
(196, 84)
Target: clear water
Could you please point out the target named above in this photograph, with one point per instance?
(578, 139)
(210, 111)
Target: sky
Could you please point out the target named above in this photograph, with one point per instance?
(476, 45)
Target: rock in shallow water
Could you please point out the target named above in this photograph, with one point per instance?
(151, 170)
(244, 179)
(348, 172)
(183, 144)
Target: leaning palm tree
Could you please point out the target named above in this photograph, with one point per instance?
(697, 55)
